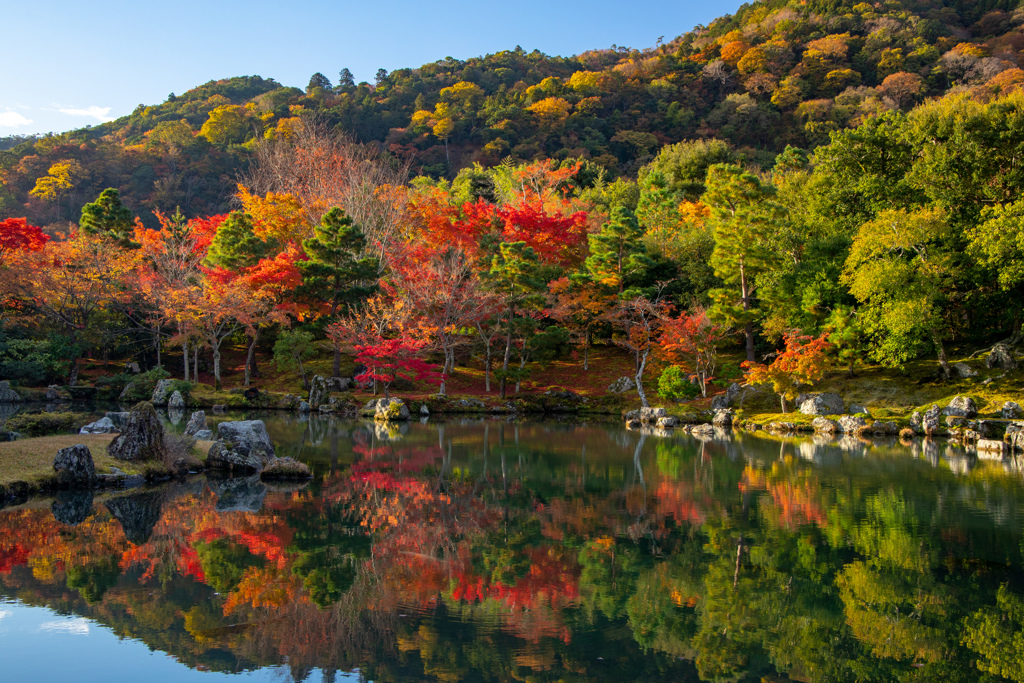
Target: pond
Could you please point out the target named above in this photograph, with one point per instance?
(494, 550)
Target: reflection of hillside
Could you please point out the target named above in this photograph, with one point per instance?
(489, 550)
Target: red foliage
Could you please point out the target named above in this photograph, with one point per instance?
(17, 235)
(391, 359)
(555, 237)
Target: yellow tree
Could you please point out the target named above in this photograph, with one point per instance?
(60, 178)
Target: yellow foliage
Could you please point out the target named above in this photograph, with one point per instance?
(278, 216)
(551, 109)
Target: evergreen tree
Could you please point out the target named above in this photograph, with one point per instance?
(346, 79)
(744, 217)
(109, 217)
(336, 273)
(236, 245)
(318, 80)
(515, 276)
(617, 251)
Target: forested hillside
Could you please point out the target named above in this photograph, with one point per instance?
(832, 184)
(776, 73)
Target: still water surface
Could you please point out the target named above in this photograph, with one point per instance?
(532, 551)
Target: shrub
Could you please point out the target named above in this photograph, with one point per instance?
(110, 388)
(45, 424)
(142, 385)
(675, 385)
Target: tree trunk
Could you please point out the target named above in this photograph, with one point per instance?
(184, 353)
(586, 350)
(487, 367)
(73, 379)
(748, 328)
(156, 343)
(943, 361)
(249, 360)
(216, 367)
(783, 398)
(640, 381)
(508, 356)
(195, 362)
(519, 377)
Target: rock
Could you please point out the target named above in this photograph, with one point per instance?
(219, 408)
(849, 424)
(57, 394)
(318, 392)
(120, 419)
(138, 513)
(621, 385)
(632, 415)
(987, 428)
(634, 424)
(74, 466)
(880, 428)
(72, 507)
(930, 421)
(161, 391)
(823, 425)
(915, 422)
(859, 410)
(339, 384)
(391, 410)
(196, 423)
(780, 427)
(104, 425)
(203, 435)
(962, 406)
(963, 371)
(142, 437)
(240, 495)
(175, 415)
(242, 447)
(469, 403)
(1001, 357)
(651, 415)
(304, 407)
(9, 436)
(954, 421)
(424, 410)
(1012, 411)
(722, 418)
(176, 401)
(720, 402)
(667, 422)
(993, 446)
(285, 468)
(702, 429)
(8, 395)
(822, 404)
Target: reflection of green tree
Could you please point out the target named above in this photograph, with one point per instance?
(997, 635)
(504, 556)
(224, 563)
(609, 572)
(94, 579)
(327, 544)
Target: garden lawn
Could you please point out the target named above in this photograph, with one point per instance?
(31, 460)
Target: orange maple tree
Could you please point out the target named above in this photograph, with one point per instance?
(804, 361)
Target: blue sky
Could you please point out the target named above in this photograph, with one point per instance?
(72, 64)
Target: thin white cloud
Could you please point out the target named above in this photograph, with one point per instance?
(4, 613)
(98, 113)
(78, 627)
(12, 119)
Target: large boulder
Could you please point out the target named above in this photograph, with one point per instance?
(823, 425)
(339, 384)
(142, 437)
(822, 404)
(196, 423)
(57, 394)
(176, 401)
(916, 422)
(651, 415)
(391, 410)
(964, 371)
(8, 395)
(961, 406)
(243, 447)
(74, 466)
(120, 419)
(722, 418)
(931, 421)
(621, 385)
(104, 425)
(667, 422)
(1012, 411)
(1001, 357)
(161, 393)
(850, 424)
(318, 392)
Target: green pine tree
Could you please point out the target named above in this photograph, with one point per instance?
(236, 246)
(107, 216)
(617, 251)
(515, 275)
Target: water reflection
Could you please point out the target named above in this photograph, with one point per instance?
(495, 550)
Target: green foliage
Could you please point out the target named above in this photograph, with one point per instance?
(997, 635)
(236, 246)
(45, 424)
(94, 579)
(675, 385)
(292, 348)
(32, 361)
(225, 562)
(107, 216)
(141, 386)
(617, 251)
(337, 273)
